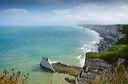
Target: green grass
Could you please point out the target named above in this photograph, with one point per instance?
(112, 54)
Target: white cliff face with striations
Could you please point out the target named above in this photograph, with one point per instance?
(45, 63)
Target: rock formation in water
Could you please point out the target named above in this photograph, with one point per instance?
(45, 63)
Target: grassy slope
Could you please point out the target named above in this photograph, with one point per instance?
(116, 51)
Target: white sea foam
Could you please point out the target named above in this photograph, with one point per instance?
(54, 61)
(85, 48)
(88, 47)
(81, 59)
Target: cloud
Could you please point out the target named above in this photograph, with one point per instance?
(61, 11)
(15, 11)
(95, 14)
(80, 14)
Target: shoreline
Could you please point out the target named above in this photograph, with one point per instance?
(66, 68)
(107, 39)
(92, 46)
(91, 68)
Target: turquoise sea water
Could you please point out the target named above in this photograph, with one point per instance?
(22, 48)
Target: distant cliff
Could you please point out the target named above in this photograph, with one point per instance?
(111, 34)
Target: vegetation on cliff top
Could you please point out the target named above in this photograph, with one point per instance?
(119, 50)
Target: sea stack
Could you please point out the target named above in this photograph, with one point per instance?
(45, 63)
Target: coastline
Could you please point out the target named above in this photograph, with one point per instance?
(99, 47)
(61, 65)
(91, 69)
(93, 66)
(89, 47)
(58, 66)
(36, 52)
(74, 70)
(109, 35)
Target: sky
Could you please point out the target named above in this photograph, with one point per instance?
(63, 12)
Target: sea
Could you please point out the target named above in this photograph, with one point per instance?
(23, 47)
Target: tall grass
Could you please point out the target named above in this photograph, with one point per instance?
(118, 75)
(15, 77)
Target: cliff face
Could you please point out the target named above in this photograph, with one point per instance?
(108, 32)
(111, 34)
(91, 69)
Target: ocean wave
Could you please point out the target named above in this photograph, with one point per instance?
(55, 61)
(92, 46)
(86, 48)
